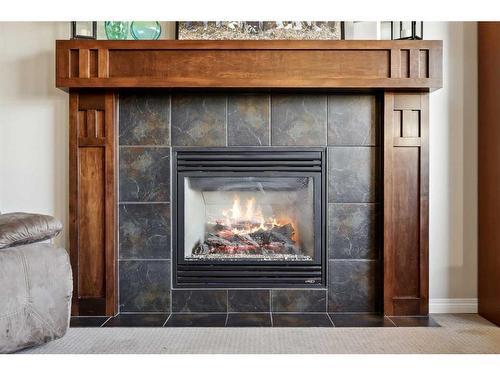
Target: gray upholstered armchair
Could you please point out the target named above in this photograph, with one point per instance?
(36, 282)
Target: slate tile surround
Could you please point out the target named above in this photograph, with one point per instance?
(351, 119)
(352, 174)
(144, 119)
(249, 320)
(199, 120)
(144, 286)
(353, 286)
(203, 300)
(361, 320)
(249, 300)
(299, 120)
(144, 231)
(137, 320)
(144, 174)
(298, 300)
(248, 120)
(346, 124)
(353, 230)
(252, 320)
(301, 320)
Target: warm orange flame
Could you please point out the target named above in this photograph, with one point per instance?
(249, 214)
(249, 220)
(236, 208)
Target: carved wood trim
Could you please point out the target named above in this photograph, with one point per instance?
(406, 204)
(92, 203)
(248, 64)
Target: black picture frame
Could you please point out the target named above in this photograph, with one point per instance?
(414, 36)
(74, 31)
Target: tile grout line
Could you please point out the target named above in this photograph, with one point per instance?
(331, 320)
(137, 202)
(117, 210)
(102, 325)
(392, 321)
(270, 119)
(227, 121)
(168, 317)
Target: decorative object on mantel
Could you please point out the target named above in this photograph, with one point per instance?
(84, 30)
(116, 30)
(361, 30)
(263, 30)
(412, 30)
(145, 30)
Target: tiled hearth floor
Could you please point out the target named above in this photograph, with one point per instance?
(252, 320)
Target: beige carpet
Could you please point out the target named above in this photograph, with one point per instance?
(460, 333)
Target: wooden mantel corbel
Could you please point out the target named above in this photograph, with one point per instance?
(402, 72)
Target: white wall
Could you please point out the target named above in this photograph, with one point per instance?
(33, 146)
(453, 167)
(33, 122)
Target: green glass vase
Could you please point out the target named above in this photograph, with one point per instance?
(116, 30)
(145, 30)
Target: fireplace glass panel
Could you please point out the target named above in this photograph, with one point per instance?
(248, 218)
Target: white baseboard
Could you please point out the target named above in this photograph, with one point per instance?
(453, 305)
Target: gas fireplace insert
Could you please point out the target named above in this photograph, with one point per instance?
(249, 217)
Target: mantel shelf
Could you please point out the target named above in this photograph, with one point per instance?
(103, 64)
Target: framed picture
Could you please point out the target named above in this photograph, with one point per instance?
(84, 30)
(265, 30)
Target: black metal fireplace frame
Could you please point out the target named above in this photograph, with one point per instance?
(264, 162)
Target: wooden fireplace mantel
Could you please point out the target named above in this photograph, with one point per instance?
(249, 64)
(401, 72)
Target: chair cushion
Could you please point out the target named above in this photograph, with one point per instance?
(20, 228)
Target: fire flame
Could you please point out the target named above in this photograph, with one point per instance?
(247, 220)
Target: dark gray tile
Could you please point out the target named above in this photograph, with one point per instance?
(298, 120)
(137, 320)
(199, 300)
(249, 320)
(196, 320)
(249, 300)
(361, 320)
(144, 286)
(301, 320)
(144, 119)
(353, 286)
(145, 231)
(198, 120)
(144, 174)
(352, 173)
(87, 321)
(414, 321)
(297, 300)
(352, 231)
(352, 120)
(248, 120)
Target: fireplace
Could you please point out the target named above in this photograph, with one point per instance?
(366, 102)
(249, 218)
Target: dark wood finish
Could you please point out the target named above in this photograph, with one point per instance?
(92, 203)
(406, 202)
(406, 70)
(248, 64)
(489, 171)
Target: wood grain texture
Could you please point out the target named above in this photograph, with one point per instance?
(405, 204)
(92, 203)
(247, 64)
(489, 171)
